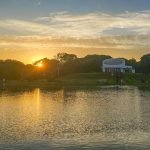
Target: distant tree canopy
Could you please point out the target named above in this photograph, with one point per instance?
(47, 70)
(63, 64)
(144, 64)
(11, 69)
(66, 58)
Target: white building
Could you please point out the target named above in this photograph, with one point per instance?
(116, 65)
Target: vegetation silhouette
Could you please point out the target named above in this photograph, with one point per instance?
(61, 65)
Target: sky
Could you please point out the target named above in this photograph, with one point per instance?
(34, 29)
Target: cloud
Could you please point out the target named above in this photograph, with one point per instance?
(96, 24)
(26, 27)
(39, 3)
(127, 46)
(87, 25)
(111, 42)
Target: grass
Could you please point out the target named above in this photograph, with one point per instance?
(85, 80)
(138, 79)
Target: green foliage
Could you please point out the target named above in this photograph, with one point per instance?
(66, 58)
(11, 69)
(66, 64)
(71, 64)
(47, 71)
(86, 79)
(144, 64)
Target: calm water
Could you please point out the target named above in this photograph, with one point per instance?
(75, 119)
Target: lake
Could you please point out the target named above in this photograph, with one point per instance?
(104, 118)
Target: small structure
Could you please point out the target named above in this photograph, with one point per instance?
(116, 65)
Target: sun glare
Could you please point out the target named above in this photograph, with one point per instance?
(39, 65)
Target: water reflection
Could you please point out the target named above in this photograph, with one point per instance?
(77, 117)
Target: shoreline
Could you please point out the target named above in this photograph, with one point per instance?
(28, 85)
(80, 80)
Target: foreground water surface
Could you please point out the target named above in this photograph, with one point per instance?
(75, 119)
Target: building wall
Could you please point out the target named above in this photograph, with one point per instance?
(121, 67)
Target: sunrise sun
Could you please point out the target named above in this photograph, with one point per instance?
(40, 65)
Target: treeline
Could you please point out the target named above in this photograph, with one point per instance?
(61, 65)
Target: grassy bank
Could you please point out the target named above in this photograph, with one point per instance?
(100, 79)
(83, 80)
(140, 80)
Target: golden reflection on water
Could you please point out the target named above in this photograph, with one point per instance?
(37, 101)
(108, 114)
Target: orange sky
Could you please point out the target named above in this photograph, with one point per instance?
(40, 30)
(30, 49)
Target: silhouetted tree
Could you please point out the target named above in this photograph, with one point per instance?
(65, 58)
(49, 68)
(64, 64)
(11, 69)
(144, 64)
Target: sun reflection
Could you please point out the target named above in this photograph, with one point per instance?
(37, 98)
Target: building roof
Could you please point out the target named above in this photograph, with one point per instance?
(114, 61)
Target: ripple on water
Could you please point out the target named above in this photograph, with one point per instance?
(72, 119)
